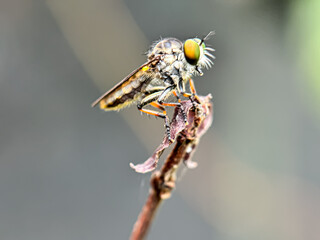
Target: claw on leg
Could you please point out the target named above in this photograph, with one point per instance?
(181, 108)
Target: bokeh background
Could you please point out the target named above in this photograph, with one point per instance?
(64, 166)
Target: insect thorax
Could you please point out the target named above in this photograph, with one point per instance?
(172, 63)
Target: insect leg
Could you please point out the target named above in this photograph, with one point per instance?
(155, 89)
(164, 94)
(157, 105)
(181, 106)
(172, 104)
(192, 87)
(147, 100)
(181, 89)
(150, 99)
(194, 97)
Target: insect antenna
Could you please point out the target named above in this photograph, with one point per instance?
(210, 34)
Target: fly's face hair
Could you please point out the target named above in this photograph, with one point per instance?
(170, 66)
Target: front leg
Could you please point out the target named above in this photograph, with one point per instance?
(193, 95)
(172, 104)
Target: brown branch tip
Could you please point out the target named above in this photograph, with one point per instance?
(199, 113)
(199, 116)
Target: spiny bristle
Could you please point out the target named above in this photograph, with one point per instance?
(210, 55)
(207, 58)
(207, 62)
(210, 49)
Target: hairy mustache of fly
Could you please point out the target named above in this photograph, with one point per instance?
(170, 66)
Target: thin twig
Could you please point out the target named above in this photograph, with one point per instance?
(163, 181)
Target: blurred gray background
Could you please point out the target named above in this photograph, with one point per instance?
(64, 166)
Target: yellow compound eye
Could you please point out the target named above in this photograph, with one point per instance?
(191, 51)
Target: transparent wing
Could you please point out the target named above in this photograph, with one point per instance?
(126, 91)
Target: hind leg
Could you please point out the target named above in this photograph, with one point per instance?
(152, 101)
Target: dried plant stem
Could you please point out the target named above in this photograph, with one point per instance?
(163, 181)
(146, 216)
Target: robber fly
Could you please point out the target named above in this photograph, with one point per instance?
(170, 66)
